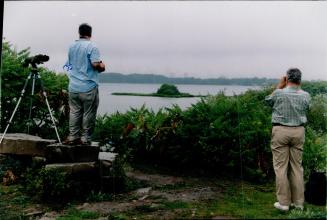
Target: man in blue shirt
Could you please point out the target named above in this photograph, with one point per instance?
(83, 66)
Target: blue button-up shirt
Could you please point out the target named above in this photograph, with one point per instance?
(290, 106)
(82, 76)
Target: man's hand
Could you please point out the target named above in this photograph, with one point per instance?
(99, 66)
(282, 83)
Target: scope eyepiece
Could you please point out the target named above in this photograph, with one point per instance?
(37, 59)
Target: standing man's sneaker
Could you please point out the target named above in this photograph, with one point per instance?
(293, 205)
(284, 208)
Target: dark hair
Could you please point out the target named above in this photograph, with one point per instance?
(85, 30)
(294, 75)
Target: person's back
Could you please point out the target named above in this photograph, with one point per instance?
(290, 106)
(83, 77)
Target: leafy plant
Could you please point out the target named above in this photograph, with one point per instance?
(229, 132)
(48, 184)
(314, 152)
(168, 89)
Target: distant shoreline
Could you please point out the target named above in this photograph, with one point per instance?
(137, 78)
(182, 95)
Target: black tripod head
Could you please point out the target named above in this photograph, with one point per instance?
(35, 60)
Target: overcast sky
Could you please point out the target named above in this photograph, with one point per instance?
(182, 38)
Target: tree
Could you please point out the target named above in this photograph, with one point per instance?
(168, 89)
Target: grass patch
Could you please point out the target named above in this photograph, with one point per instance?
(12, 202)
(74, 214)
(117, 216)
(309, 213)
(250, 202)
(99, 197)
(170, 205)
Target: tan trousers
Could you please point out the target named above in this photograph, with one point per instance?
(287, 146)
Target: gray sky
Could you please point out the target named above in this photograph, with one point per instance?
(182, 38)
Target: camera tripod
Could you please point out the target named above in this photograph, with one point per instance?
(34, 74)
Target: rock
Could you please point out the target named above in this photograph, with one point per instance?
(24, 144)
(106, 164)
(144, 197)
(34, 214)
(38, 161)
(142, 191)
(106, 160)
(108, 156)
(59, 153)
(49, 216)
(95, 144)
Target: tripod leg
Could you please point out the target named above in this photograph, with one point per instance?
(46, 100)
(31, 102)
(14, 112)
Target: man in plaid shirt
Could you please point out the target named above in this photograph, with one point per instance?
(290, 105)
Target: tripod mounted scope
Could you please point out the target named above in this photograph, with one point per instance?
(35, 60)
(34, 75)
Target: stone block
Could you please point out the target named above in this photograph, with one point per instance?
(81, 170)
(107, 156)
(59, 153)
(24, 144)
(106, 160)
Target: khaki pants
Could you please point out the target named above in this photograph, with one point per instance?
(287, 146)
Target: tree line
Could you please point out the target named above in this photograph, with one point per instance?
(161, 79)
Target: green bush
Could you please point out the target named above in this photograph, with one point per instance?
(317, 115)
(48, 184)
(314, 152)
(168, 89)
(315, 87)
(220, 134)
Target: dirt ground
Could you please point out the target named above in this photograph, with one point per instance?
(160, 188)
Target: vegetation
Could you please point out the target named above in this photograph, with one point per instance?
(168, 89)
(160, 79)
(232, 133)
(165, 90)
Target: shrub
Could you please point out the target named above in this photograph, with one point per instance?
(314, 152)
(317, 115)
(220, 134)
(315, 87)
(51, 185)
(168, 89)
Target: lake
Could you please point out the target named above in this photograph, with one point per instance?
(111, 103)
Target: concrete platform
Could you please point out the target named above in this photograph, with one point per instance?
(24, 144)
(59, 153)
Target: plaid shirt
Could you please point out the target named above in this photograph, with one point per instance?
(290, 106)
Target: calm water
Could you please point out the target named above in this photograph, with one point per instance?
(112, 103)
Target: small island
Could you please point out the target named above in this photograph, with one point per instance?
(165, 90)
